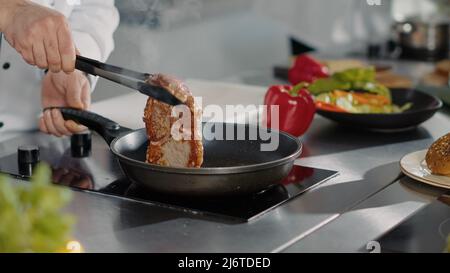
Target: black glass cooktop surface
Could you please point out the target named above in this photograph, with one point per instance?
(245, 208)
(99, 171)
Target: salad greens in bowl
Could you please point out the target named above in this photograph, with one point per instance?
(354, 98)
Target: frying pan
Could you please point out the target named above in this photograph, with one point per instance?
(230, 167)
(423, 108)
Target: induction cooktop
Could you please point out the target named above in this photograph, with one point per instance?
(84, 162)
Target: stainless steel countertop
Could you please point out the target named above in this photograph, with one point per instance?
(366, 189)
(367, 199)
(354, 229)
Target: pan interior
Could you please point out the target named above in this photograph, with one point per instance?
(218, 153)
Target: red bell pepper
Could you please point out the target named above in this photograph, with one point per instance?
(306, 69)
(296, 108)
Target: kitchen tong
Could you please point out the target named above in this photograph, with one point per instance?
(132, 79)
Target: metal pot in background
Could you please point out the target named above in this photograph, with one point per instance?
(419, 40)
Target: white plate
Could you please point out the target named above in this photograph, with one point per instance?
(414, 166)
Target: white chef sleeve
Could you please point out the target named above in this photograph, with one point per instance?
(93, 23)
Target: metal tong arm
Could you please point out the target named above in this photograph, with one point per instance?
(116, 74)
(84, 62)
(132, 79)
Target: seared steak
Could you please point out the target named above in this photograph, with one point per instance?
(169, 145)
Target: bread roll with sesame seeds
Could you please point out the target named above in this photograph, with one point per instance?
(438, 156)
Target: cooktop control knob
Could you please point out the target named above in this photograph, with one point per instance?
(27, 158)
(81, 144)
(28, 154)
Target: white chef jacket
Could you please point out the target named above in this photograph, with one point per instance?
(93, 23)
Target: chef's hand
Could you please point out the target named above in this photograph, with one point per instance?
(41, 35)
(67, 90)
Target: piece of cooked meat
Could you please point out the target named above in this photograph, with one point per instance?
(165, 149)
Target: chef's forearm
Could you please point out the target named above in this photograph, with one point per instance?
(7, 11)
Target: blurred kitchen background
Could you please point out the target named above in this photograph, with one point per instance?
(242, 40)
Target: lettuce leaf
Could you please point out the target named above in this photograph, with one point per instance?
(352, 79)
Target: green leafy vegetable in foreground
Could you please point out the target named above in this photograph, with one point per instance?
(31, 216)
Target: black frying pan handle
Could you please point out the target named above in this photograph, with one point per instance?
(107, 128)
